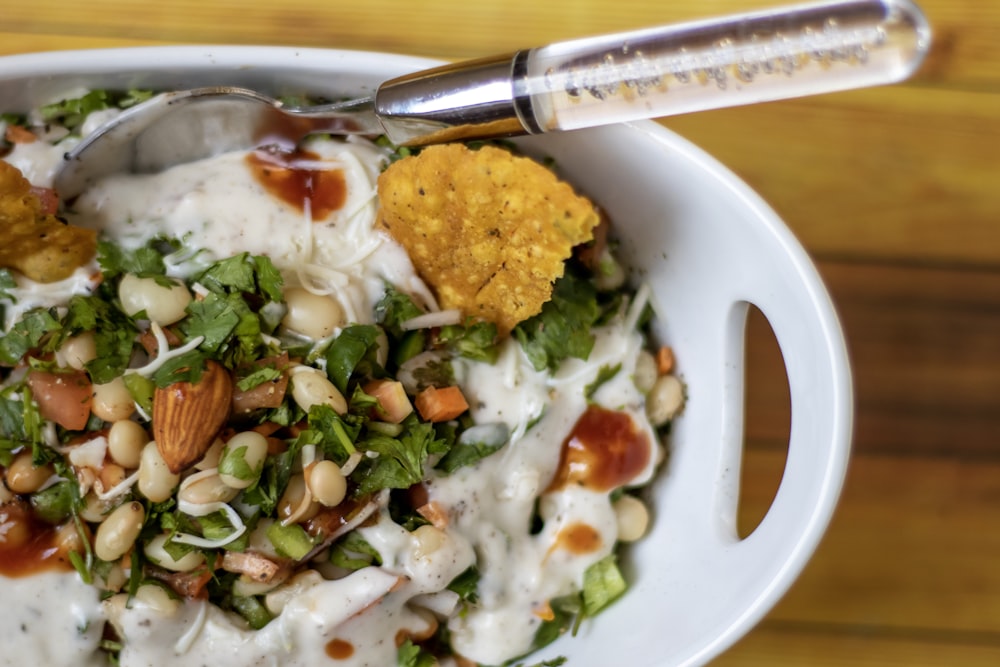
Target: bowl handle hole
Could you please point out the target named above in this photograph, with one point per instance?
(767, 423)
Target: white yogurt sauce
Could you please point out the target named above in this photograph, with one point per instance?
(218, 206)
(50, 619)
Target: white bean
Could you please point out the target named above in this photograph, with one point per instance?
(311, 387)
(428, 540)
(245, 586)
(327, 483)
(243, 459)
(203, 488)
(315, 316)
(155, 550)
(157, 598)
(156, 482)
(276, 600)
(664, 400)
(163, 305)
(76, 351)
(212, 456)
(645, 371)
(23, 476)
(112, 401)
(94, 509)
(126, 439)
(118, 532)
(296, 503)
(632, 517)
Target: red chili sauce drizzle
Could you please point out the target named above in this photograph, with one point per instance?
(338, 649)
(605, 450)
(27, 545)
(290, 177)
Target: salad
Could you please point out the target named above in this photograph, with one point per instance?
(246, 425)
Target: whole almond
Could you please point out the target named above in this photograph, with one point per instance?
(187, 417)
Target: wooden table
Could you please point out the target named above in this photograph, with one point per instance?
(895, 193)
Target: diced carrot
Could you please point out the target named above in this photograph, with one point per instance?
(441, 405)
(393, 403)
(18, 134)
(544, 611)
(62, 397)
(665, 360)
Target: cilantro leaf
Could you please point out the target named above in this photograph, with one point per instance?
(334, 434)
(563, 327)
(145, 261)
(393, 309)
(355, 344)
(567, 611)
(7, 282)
(399, 463)
(474, 444)
(73, 111)
(26, 335)
(353, 552)
(250, 274)
(411, 655)
(476, 340)
(466, 585)
(603, 375)
(114, 335)
(186, 367)
(258, 377)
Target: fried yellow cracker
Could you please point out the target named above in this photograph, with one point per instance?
(489, 231)
(40, 246)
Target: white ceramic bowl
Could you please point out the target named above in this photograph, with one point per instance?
(709, 247)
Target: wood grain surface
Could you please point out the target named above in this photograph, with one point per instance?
(896, 193)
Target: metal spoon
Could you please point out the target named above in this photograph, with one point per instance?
(730, 61)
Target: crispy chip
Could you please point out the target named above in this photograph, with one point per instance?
(40, 246)
(489, 231)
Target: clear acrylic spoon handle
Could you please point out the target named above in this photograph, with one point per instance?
(744, 59)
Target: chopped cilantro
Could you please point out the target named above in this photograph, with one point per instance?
(145, 261)
(245, 273)
(566, 614)
(393, 309)
(563, 328)
(474, 444)
(26, 335)
(355, 346)
(411, 655)
(54, 504)
(475, 340)
(399, 463)
(603, 375)
(7, 282)
(73, 111)
(258, 377)
(466, 585)
(186, 367)
(353, 552)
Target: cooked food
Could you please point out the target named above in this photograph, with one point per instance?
(489, 231)
(37, 244)
(252, 430)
